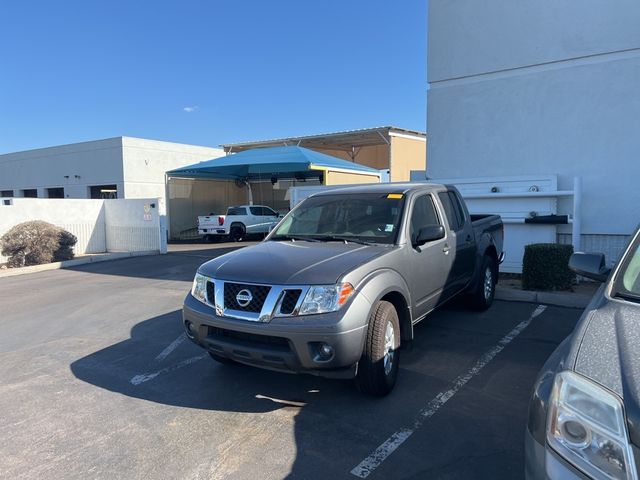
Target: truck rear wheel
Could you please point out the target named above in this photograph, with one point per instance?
(237, 232)
(378, 367)
(482, 298)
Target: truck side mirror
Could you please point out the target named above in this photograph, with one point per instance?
(429, 233)
(590, 265)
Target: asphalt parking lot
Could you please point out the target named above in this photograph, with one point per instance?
(98, 381)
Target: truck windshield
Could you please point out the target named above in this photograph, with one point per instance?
(627, 284)
(370, 217)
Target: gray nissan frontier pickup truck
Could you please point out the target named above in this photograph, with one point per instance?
(337, 286)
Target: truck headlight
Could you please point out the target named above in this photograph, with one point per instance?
(199, 288)
(586, 425)
(326, 298)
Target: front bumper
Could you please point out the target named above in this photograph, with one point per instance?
(287, 344)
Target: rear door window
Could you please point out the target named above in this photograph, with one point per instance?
(237, 211)
(449, 210)
(457, 208)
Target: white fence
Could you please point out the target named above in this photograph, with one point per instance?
(122, 225)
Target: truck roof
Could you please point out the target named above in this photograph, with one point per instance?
(382, 188)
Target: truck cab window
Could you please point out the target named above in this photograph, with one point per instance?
(424, 213)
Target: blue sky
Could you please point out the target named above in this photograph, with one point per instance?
(207, 72)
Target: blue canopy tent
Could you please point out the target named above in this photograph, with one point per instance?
(258, 166)
(289, 162)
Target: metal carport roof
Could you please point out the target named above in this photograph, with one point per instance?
(264, 163)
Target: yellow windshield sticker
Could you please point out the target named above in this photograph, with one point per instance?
(395, 196)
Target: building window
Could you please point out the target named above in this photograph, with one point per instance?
(57, 192)
(104, 191)
(6, 193)
(30, 193)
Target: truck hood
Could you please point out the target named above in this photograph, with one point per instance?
(610, 355)
(291, 263)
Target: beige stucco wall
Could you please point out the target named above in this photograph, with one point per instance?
(342, 178)
(407, 154)
(375, 156)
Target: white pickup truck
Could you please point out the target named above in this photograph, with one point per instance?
(239, 222)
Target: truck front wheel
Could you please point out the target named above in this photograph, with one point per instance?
(482, 298)
(378, 367)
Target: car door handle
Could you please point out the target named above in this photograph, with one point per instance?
(468, 239)
(446, 249)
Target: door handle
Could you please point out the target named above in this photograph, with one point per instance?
(446, 249)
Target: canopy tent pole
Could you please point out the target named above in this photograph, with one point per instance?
(249, 192)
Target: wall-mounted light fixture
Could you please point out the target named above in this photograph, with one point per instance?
(77, 176)
(66, 176)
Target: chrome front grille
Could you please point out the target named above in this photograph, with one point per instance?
(255, 302)
(257, 293)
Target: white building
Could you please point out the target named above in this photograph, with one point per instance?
(541, 88)
(121, 167)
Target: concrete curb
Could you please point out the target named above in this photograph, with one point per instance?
(99, 257)
(559, 299)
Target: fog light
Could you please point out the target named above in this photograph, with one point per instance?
(190, 329)
(322, 352)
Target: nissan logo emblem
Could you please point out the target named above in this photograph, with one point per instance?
(244, 297)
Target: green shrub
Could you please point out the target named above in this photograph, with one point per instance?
(545, 266)
(36, 242)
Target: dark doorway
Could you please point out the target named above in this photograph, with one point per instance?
(104, 191)
(30, 193)
(57, 192)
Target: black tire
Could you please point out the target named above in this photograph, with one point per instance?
(482, 298)
(375, 376)
(221, 359)
(237, 232)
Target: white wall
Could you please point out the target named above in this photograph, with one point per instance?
(146, 161)
(131, 225)
(136, 166)
(84, 218)
(94, 163)
(540, 87)
(121, 225)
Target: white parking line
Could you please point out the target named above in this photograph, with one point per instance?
(145, 377)
(171, 347)
(380, 454)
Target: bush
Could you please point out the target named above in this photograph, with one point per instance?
(36, 242)
(545, 266)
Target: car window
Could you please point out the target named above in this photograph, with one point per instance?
(457, 207)
(236, 211)
(631, 274)
(449, 210)
(423, 214)
(267, 212)
(369, 217)
(256, 211)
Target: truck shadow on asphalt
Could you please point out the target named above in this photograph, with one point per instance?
(335, 426)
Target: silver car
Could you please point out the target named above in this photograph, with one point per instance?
(584, 414)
